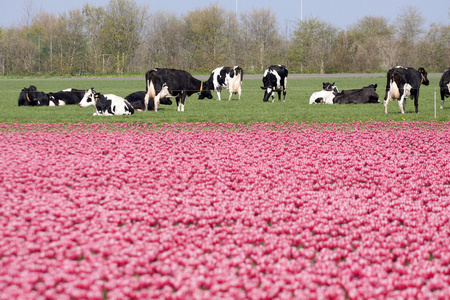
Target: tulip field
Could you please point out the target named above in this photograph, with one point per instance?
(308, 210)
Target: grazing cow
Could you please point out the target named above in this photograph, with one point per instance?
(444, 85)
(367, 94)
(326, 95)
(31, 97)
(106, 105)
(226, 78)
(171, 83)
(137, 100)
(275, 79)
(67, 96)
(404, 83)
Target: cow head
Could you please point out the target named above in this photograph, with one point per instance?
(328, 86)
(28, 96)
(35, 98)
(268, 90)
(424, 75)
(205, 91)
(88, 98)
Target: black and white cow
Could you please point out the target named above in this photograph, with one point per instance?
(444, 85)
(404, 83)
(326, 95)
(226, 78)
(137, 100)
(367, 94)
(106, 105)
(31, 97)
(275, 79)
(171, 83)
(67, 96)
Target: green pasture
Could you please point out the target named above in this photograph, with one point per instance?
(250, 108)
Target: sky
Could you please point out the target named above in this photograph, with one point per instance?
(340, 13)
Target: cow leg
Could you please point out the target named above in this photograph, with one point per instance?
(218, 95)
(183, 99)
(442, 102)
(146, 98)
(284, 95)
(155, 102)
(178, 103)
(162, 94)
(279, 96)
(386, 101)
(239, 93)
(416, 101)
(402, 104)
(229, 97)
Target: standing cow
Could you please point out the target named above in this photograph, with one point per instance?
(171, 83)
(106, 105)
(226, 78)
(275, 79)
(404, 83)
(444, 85)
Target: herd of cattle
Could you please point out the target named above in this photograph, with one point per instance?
(163, 84)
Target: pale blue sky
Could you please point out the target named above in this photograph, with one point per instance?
(341, 13)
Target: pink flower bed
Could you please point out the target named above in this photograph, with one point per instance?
(257, 211)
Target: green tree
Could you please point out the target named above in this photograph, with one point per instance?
(373, 45)
(158, 50)
(434, 49)
(312, 44)
(409, 31)
(120, 31)
(70, 43)
(261, 38)
(206, 37)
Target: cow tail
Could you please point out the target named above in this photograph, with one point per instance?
(240, 73)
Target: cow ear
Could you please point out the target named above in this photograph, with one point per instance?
(263, 88)
(375, 85)
(333, 83)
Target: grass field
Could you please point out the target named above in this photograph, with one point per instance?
(251, 108)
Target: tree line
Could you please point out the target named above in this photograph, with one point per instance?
(124, 37)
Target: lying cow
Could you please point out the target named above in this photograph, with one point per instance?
(171, 83)
(137, 100)
(67, 96)
(226, 78)
(367, 94)
(444, 85)
(275, 79)
(404, 83)
(31, 97)
(106, 105)
(326, 95)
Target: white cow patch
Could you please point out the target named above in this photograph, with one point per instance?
(327, 97)
(394, 91)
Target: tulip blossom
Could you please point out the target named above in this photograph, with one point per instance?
(213, 211)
